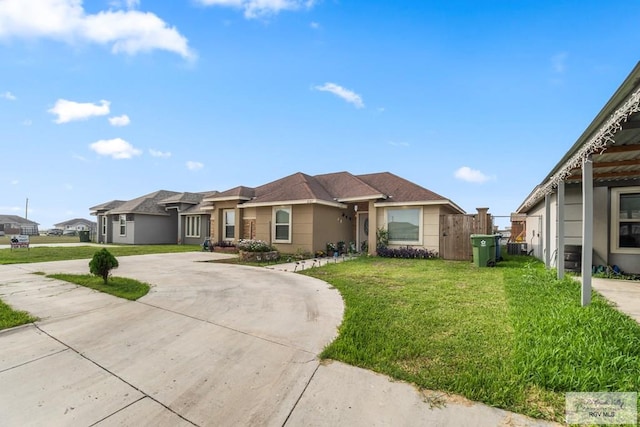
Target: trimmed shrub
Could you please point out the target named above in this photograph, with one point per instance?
(102, 263)
(408, 252)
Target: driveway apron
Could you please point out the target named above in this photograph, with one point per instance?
(211, 344)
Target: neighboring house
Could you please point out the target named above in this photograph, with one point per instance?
(77, 224)
(587, 209)
(161, 217)
(302, 213)
(14, 224)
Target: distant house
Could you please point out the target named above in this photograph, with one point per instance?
(161, 217)
(77, 224)
(14, 224)
(303, 213)
(586, 211)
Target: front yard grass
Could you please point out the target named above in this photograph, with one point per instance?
(118, 286)
(10, 318)
(513, 336)
(57, 253)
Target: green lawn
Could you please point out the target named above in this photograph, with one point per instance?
(52, 253)
(513, 336)
(10, 318)
(118, 286)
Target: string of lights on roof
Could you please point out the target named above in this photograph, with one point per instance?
(597, 144)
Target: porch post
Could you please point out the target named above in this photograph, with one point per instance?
(373, 228)
(560, 252)
(547, 231)
(587, 228)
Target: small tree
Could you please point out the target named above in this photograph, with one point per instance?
(382, 238)
(102, 263)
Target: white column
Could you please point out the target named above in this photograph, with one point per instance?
(547, 231)
(587, 229)
(560, 259)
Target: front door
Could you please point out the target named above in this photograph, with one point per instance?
(363, 231)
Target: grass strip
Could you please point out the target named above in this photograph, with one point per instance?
(56, 253)
(10, 318)
(118, 286)
(513, 336)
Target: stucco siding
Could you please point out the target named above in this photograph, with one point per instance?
(330, 225)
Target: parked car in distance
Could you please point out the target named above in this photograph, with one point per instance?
(70, 233)
(54, 232)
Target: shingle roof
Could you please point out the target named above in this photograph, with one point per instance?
(75, 221)
(191, 198)
(343, 185)
(107, 205)
(147, 204)
(236, 193)
(399, 189)
(15, 219)
(298, 186)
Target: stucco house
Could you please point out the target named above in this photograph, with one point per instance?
(161, 217)
(14, 224)
(77, 224)
(587, 208)
(302, 213)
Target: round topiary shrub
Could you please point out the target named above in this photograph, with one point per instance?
(102, 263)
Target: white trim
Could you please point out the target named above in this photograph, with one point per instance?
(225, 224)
(120, 224)
(293, 202)
(362, 198)
(443, 202)
(193, 229)
(103, 225)
(615, 220)
(275, 224)
(420, 226)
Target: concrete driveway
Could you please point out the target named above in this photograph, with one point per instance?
(211, 344)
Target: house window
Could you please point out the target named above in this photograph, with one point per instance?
(625, 220)
(229, 224)
(103, 224)
(404, 225)
(193, 226)
(123, 225)
(282, 224)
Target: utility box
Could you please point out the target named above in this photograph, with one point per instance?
(484, 249)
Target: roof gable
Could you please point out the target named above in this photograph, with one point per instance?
(344, 186)
(399, 189)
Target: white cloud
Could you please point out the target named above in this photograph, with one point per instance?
(8, 95)
(117, 148)
(126, 31)
(315, 25)
(465, 173)
(15, 182)
(156, 153)
(122, 120)
(261, 8)
(559, 62)
(194, 166)
(68, 111)
(343, 93)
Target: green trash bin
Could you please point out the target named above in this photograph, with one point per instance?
(484, 250)
(84, 236)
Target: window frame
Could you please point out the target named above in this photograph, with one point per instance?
(277, 224)
(193, 224)
(103, 225)
(225, 225)
(420, 212)
(615, 220)
(122, 223)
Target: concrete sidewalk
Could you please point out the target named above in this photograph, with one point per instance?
(211, 344)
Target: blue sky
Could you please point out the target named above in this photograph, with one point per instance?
(475, 100)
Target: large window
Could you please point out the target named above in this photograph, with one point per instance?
(123, 225)
(229, 224)
(193, 226)
(103, 224)
(404, 225)
(625, 219)
(282, 224)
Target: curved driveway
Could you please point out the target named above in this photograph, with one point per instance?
(211, 344)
